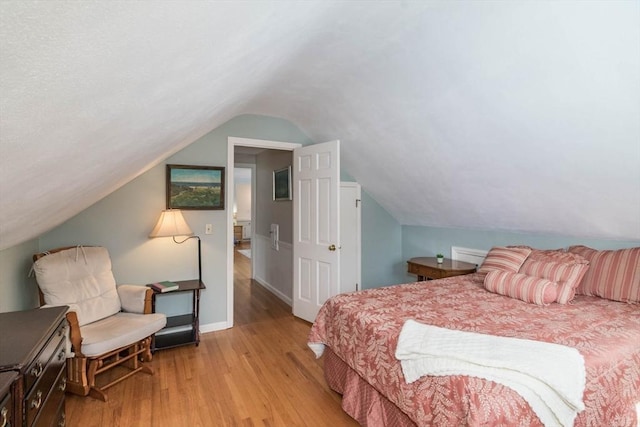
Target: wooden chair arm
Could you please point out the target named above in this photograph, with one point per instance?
(74, 333)
(148, 301)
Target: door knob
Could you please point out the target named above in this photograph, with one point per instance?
(332, 247)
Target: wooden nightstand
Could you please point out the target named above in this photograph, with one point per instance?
(428, 268)
(184, 328)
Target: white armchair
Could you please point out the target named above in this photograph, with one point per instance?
(109, 325)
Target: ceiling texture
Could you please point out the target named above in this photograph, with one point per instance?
(520, 116)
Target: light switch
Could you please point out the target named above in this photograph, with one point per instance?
(208, 229)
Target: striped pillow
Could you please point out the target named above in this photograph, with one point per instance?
(554, 255)
(613, 275)
(504, 259)
(566, 275)
(525, 288)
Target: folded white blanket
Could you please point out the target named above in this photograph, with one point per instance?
(550, 377)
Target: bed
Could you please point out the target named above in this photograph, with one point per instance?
(359, 334)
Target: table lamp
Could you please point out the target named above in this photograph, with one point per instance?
(171, 224)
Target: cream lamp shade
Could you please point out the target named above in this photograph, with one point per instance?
(171, 223)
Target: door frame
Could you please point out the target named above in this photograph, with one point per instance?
(232, 142)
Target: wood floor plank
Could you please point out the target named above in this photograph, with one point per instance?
(258, 373)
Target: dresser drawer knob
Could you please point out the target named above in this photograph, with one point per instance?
(37, 401)
(4, 416)
(63, 384)
(62, 421)
(36, 371)
(61, 354)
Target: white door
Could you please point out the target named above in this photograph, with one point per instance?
(316, 227)
(349, 237)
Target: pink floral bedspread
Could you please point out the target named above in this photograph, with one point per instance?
(362, 328)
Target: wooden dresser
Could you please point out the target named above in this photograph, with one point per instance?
(33, 344)
(7, 401)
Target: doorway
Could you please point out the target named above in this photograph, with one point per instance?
(256, 146)
(279, 265)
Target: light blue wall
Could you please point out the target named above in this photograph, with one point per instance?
(428, 241)
(17, 291)
(382, 262)
(381, 255)
(122, 221)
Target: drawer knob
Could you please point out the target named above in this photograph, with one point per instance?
(4, 414)
(62, 421)
(63, 384)
(36, 371)
(37, 401)
(61, 354)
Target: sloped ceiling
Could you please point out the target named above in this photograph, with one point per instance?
(479, 114)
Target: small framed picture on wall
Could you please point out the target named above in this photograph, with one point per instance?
(282, 184)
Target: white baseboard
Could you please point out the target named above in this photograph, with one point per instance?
(274, 291)
(273, 269)
(212, 327)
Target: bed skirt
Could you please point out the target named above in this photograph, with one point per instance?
(359, 399)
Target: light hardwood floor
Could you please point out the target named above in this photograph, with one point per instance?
(258, 373)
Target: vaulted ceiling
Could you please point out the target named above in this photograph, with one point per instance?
(519, 115)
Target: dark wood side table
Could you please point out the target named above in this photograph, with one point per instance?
(182, 329)
(428, 268)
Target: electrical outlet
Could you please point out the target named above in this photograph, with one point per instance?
(208, 229)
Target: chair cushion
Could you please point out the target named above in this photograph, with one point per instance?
(117, 331)
(132, 298)
(81, 278)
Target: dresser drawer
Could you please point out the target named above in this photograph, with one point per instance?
(425, 271)
(52, 412)
(8, 404)
(6, 411)
(35, 370)
(413, 269)
(39, 395)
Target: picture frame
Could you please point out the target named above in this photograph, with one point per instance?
(282, 184)
(195, 187)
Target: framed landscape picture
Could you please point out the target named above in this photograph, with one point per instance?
(195, 187)
(282, 184)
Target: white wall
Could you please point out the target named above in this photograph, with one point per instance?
(269, 211)
(243, 202)
(273, 269)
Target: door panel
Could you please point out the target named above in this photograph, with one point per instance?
(350, 201)
(316, 227)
